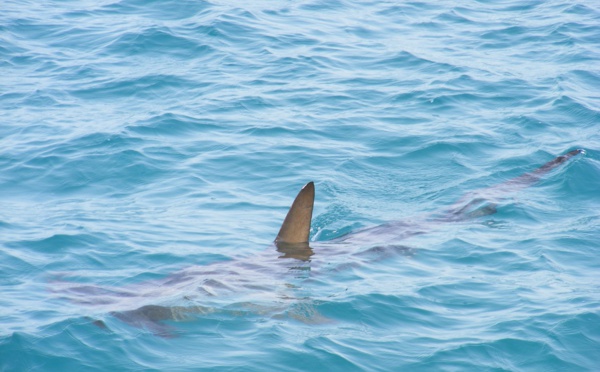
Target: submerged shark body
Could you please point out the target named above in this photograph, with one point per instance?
(266, 284)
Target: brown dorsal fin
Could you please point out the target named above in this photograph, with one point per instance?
(296, 226)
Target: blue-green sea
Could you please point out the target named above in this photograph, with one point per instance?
(150, 150)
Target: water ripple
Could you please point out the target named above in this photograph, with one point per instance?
(141, 138)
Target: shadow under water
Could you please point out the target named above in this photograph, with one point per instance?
(273, 284)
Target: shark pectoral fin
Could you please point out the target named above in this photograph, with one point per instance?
(306, 312)
(296, 226)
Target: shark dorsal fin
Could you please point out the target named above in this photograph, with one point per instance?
(296, 226)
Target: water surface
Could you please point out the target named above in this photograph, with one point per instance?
(139, 139)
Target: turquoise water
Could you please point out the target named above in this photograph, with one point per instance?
(142, 141)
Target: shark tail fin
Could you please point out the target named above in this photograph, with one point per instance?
(486, 200)
(296, 226)
(528, 179)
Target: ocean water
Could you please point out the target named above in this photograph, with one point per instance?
(147, 142)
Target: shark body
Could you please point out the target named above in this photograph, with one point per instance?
(261, 284)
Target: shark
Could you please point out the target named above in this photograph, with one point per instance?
(270, 282)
